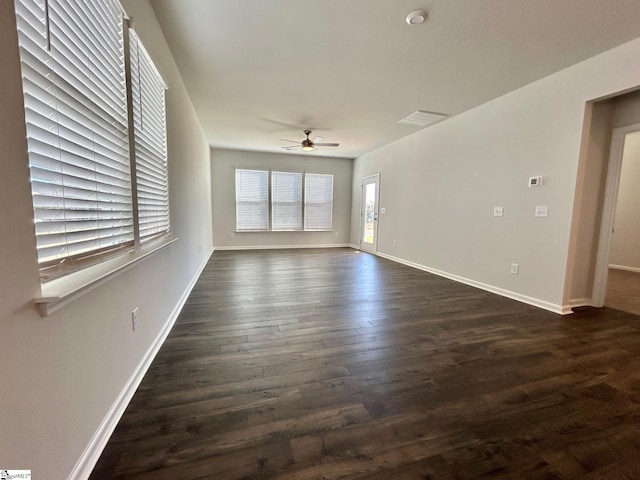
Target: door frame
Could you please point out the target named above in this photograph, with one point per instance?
(376, 213)
(614, 170)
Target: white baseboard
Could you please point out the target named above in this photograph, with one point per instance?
(98, 442)
(580, 302)
(281, 247)
(562, 310)
(355, 247)
(625, 268)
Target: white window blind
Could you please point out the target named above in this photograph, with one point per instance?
(149, 126)
(72, 58)
(286, 201)
(252, 200)
(318, 202)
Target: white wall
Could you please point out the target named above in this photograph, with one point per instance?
(61, 374)
(439, 185)
(223, 164)
(626, 110)
(625, 242)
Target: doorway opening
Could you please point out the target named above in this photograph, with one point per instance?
(609, 132)
(620, 285)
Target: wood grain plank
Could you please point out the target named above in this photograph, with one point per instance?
(327, 364)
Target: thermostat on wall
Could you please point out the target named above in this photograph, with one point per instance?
(535, 181)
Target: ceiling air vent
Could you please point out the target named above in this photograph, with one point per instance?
(422, 118)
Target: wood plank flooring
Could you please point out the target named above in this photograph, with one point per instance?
(332, 364)
(623, 291)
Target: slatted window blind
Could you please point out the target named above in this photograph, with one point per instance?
(72, 57)
(252, 200)
(286, 201)
(318, 202)
(149, 126)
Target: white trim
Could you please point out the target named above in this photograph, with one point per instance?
(608, 212)
(552, 307)
(625, 268)
(62, 291)
(580, 302)
(567, 309)
(281, 247)
(87, 461)
(355, 247)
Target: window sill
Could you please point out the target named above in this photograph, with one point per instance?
(62, 291)
(281, 231)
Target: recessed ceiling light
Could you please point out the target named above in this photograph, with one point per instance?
(417, 17)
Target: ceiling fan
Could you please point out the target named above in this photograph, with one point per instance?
(308, 145)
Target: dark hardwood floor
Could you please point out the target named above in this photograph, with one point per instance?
(332, 364)
(623, 291)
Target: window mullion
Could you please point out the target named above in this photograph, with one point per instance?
(270, 200)
(131, 132)
(304, 200)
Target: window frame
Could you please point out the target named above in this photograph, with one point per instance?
(266, 202)
(303, 202)
(150, 173)
(37, 43)
(300, 202)
(306, 196)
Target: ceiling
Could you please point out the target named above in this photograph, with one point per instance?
(258, 71)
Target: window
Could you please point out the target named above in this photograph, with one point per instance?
(291, 207)
(76, 108)
(149, 126)
(252, 200)
(286, 201)
(318, 202)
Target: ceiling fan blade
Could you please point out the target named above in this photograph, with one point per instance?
(288, 126)
(292, 126)
(287, 140)
(326, 144)
(291, 147)
(317, 139)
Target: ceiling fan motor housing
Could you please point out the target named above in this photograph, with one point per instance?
(307, 144)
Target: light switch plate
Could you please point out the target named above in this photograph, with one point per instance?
(542, 211)
(383, 210)
(498, 211)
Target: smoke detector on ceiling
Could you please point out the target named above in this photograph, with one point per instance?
(417, 17)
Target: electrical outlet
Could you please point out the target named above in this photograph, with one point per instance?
(498, 211)
(514, 268)
(395, 243)
(200, 249)
(231, 235)
(134, 318)
(337, 234)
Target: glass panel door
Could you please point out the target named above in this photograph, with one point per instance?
(369, 213)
